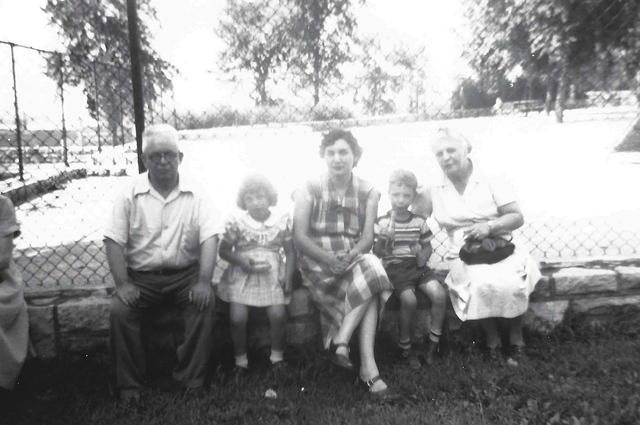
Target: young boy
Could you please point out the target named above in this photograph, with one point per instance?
(403, 243)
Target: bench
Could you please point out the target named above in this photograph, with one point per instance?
(526, 106)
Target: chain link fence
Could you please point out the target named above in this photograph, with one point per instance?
(286, 71)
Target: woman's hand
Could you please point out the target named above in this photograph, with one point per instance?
(350, 256)
(338, 263)
(477, 232)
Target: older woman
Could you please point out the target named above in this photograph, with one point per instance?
(333, 231)
(14, 324)
(471, 205)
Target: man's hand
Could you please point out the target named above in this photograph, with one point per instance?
(128, 294)
(200, 295)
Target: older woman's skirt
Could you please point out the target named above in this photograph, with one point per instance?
(336, 296)
(502, 289)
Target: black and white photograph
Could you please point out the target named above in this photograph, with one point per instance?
(319, 212)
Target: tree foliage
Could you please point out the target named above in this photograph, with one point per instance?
(385, 73)
(257, 36)
(554, 41)
(95, 36)
(313, 38)
(324, 34)
(380, 79)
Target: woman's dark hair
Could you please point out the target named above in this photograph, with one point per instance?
(256, 183)
(333, 136)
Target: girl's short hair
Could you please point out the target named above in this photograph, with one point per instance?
(256, 183)
(333, 136)
(404, 178)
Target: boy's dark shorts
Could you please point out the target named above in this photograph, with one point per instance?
(406, 274)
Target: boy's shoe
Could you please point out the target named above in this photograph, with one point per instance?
(279, 371)
(238, 373)
(409, 358)
(431, 352)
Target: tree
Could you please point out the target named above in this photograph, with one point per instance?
(324, 34)
(386, 74)
(96, 41)
(257, 39)
(412, 64)
(555, 41)
(379, 81)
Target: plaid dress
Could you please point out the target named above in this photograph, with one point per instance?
(336, 224)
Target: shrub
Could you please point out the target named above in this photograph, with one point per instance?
(324, 112)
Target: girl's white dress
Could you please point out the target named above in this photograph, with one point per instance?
(260, 242)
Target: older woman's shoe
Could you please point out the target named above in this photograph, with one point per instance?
(516, 352)
(493, 354)
(338, 359)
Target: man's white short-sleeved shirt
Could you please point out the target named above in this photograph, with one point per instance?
(159, 232)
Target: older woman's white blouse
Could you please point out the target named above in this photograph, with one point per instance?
(478, 203)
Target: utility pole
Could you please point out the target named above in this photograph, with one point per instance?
(136, 77)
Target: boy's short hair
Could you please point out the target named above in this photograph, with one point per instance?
(404, 178)
(256, 183)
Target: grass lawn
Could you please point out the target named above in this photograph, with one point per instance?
(566, 379)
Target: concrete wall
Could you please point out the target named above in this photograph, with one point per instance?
(75, 320)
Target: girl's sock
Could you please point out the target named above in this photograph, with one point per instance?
(404, 345)
(242, 360)
(276, 356)
(435, 336)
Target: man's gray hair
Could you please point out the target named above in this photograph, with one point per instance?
(157, 132)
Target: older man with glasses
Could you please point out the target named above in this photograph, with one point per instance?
(161, 247)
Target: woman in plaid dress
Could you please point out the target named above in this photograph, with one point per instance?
(333, 231)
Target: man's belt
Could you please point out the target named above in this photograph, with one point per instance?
(165, 271)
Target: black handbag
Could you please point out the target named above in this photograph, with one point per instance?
(489, 250)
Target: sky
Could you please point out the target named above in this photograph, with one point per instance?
(185, 37)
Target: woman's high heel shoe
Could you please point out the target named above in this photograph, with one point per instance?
(382, 396)
(337, 359)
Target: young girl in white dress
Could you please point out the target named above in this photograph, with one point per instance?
(258, 246)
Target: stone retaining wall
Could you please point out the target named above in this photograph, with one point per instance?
(75, 320)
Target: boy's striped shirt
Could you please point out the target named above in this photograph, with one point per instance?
(408, 233)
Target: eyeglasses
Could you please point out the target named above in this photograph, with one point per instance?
(169, 156)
